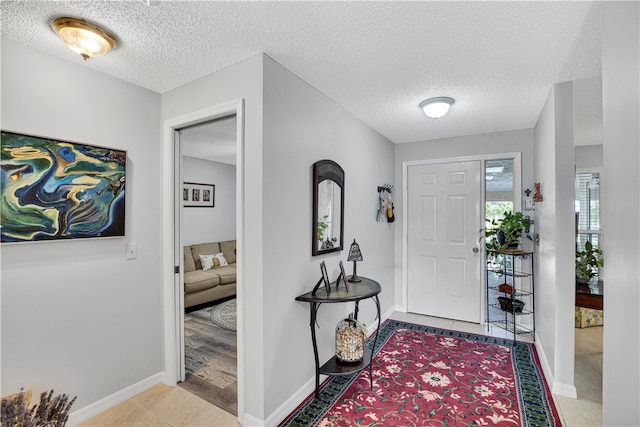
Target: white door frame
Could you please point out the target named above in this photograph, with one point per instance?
(172, 333)
(517, 202)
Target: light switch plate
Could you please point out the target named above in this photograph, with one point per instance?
(132, 250)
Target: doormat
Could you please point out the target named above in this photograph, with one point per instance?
(441, 377)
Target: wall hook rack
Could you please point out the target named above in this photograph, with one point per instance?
(385, 204)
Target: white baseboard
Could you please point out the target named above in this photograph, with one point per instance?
(544, 363)
(307, 388)
(251, 421)
(388, 313)
(290, 405)
(96, 408)
(561, 389)
(384, 316)
(566, 390)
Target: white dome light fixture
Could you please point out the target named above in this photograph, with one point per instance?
(436, 107)
(83, 37)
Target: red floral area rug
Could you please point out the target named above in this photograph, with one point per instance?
(425, 376)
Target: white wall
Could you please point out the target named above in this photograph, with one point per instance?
(239, 81)
(589, 157)
(620, 71)
(214, 224)
(302, 126)
(587, 110)
(76, 315)
(565, 240)
(446, 148)
(545, 301)
(555, 254)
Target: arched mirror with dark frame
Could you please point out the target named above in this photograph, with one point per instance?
(328, 207)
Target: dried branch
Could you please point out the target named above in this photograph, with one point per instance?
(51, 411)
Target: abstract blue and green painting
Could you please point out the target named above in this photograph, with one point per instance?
(55, 189)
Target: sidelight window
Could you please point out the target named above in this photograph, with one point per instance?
(587, 210)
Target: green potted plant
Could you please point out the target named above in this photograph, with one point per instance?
(506, 233)
(322, 226)
(503, 234)
(588, 261)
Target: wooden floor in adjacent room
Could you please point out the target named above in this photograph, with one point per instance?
(211, 361)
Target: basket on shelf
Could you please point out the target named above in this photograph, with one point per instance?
(512, 306)
(350, 339)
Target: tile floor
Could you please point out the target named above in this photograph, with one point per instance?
(586, 411)
(162, 406)
(174, 406)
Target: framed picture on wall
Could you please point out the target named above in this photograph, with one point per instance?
(198, 195)
(60, 190)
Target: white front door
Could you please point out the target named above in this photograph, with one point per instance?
(444, 259)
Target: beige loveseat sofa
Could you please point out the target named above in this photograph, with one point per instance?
(202, 286)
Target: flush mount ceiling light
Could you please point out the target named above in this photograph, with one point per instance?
(83, 37)
(436, 107)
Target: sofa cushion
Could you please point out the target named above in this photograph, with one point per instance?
(586, 317)
(213, 261)
(226, 274)
(189, 264)
(220, 260)
(208, 262)
(203, 249)
(228, 248)
(199, 280)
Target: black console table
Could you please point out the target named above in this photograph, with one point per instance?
(358, 291)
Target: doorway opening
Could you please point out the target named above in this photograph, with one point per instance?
(208, 233)
(173, 249)
(589, 313)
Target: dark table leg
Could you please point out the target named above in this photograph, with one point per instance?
(314, 310)
(375, 341)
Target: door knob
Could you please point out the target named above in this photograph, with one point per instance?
(475, 250)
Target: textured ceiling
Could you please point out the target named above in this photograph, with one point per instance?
(376, 59)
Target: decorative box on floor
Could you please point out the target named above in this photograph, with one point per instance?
(350, 339)
(586, 317)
